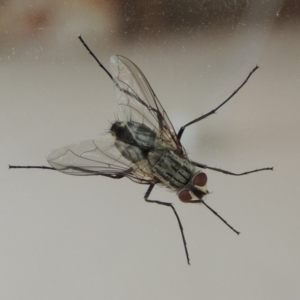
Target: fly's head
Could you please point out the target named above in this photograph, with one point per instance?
(195, 190)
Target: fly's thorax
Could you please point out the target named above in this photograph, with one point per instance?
(173, 170)
(195, 189)
(133, 133)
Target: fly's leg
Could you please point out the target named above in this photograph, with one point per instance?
(133, 95)
(228, 172)
(214, 212)
(113, 176)
(31, 167)
(94, 56)
(177, 217)
(181, 130)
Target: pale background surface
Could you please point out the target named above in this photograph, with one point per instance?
(64, 237)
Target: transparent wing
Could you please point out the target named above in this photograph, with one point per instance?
(96, 157)
(138, 102)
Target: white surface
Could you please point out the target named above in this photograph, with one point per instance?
(65, 237)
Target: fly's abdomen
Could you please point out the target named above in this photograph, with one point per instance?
(143, 135)
(136, 134)
(130, 152)
(172, 170)
(134, 155)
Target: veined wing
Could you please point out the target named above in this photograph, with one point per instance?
(138, 102)
(96, 157)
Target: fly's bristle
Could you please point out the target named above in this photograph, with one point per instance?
(107, 131)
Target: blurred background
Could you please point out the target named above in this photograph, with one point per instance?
(64, 237)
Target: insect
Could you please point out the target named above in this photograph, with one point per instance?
(142, 145)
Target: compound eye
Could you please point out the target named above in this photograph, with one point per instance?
(185, 196)
(200, 179)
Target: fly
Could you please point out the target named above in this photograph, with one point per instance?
(143, 145)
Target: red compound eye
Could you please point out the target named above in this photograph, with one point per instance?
(184, 196)
(200, 179)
